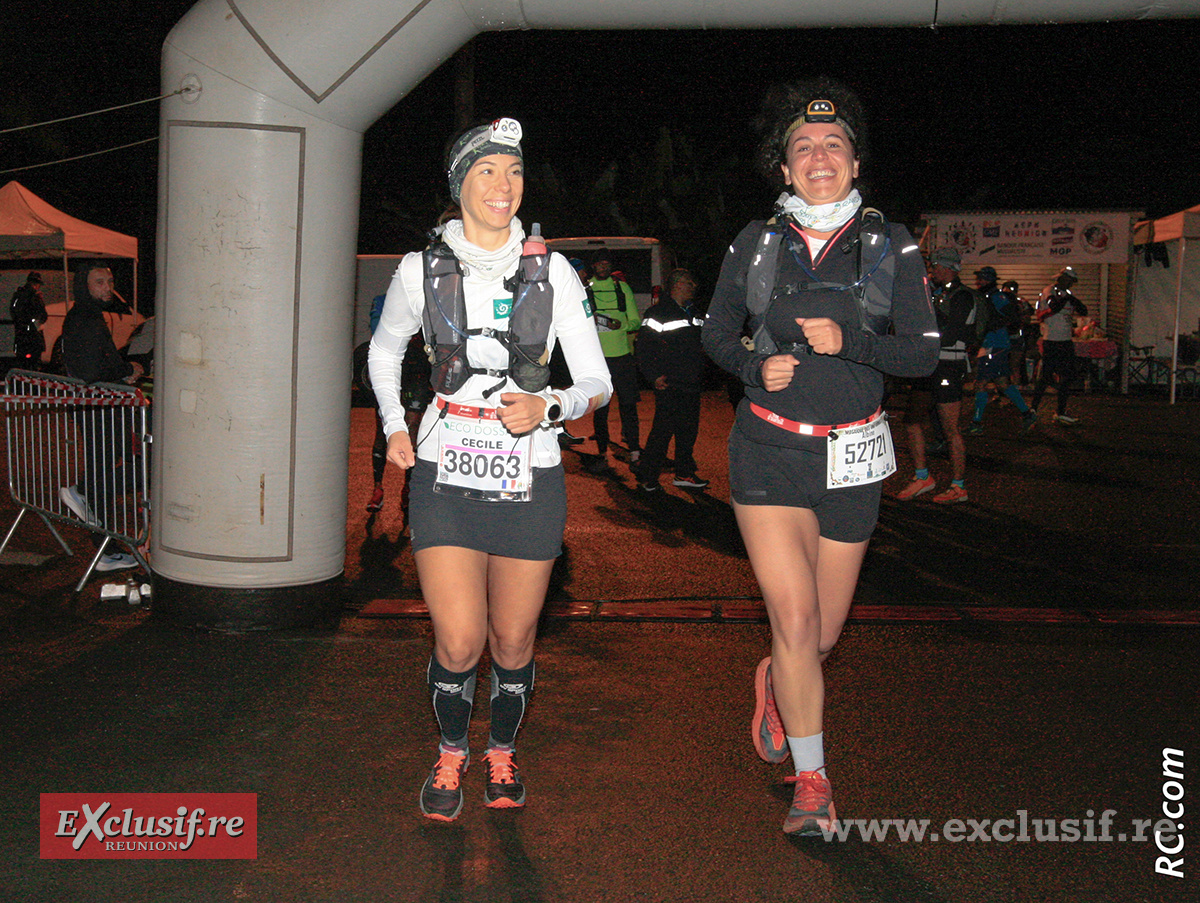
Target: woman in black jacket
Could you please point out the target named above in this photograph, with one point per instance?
(832, 297)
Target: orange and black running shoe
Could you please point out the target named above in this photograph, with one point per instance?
(766, 728)
(504, 787)
(812, 811)
(442, 797)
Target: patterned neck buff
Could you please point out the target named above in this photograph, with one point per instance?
(820, 217)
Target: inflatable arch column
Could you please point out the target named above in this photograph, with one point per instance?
(258, 217)
(257, 234)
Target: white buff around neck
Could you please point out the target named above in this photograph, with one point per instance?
(820, 217)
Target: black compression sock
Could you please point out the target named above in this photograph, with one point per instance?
(510, 697)
(453, 696)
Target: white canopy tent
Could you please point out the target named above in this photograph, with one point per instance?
(1166, 300)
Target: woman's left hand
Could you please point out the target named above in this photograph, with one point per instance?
(824, 335)
(521, 413)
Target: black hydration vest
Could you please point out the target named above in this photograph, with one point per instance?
(445, 322)
(874, 276)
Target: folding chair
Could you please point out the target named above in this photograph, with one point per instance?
(1146, 369)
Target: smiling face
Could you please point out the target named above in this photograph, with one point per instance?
(819, 163)
(491, 194)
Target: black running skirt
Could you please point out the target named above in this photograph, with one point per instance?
(530, 530)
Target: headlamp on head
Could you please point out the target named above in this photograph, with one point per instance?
(506, 131)
(501, 136)
(820, 110)
(503, 132)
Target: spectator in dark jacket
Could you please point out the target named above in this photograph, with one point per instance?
(671, 358)
(28, 314)
(88, 350)
(89, 354)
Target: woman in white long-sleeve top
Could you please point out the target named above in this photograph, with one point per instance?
(488, 504)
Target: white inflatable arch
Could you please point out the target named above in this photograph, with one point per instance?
(257, 231)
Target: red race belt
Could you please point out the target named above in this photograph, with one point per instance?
(807, 429)
(462, 410)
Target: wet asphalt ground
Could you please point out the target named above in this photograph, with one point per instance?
(1031, 651)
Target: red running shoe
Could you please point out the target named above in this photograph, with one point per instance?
(952, 496)
(376, 503)
(915, 488)
(766, 728)
(504, 787)
(812, 811)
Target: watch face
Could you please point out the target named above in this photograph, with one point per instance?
(553, 412)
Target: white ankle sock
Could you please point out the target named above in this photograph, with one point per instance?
(808, 753)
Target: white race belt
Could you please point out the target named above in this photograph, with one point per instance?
(862, 454)
(479, 459)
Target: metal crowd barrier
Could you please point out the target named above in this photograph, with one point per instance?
(94, 439)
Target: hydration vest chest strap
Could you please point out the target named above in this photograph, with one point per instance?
(875, 272)
(446, 331)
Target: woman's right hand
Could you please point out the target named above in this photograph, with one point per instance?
(777, 371)
(400, 450)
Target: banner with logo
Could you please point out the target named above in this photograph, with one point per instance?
(1034, 237)
(149, 826)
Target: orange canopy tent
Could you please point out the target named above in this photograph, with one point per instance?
(32, 229)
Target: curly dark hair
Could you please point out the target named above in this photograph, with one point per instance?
(783, 104)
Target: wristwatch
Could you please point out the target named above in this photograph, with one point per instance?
(553, 412)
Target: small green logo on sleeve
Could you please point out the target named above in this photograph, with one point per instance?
(502, 308)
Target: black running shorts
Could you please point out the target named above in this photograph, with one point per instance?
(795, 478)
(945, 386)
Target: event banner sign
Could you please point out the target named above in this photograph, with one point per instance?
(149, 826)
(1035, 237)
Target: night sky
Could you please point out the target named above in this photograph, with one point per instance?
(1001, 117)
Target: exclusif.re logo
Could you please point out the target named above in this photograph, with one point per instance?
(149, 826)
